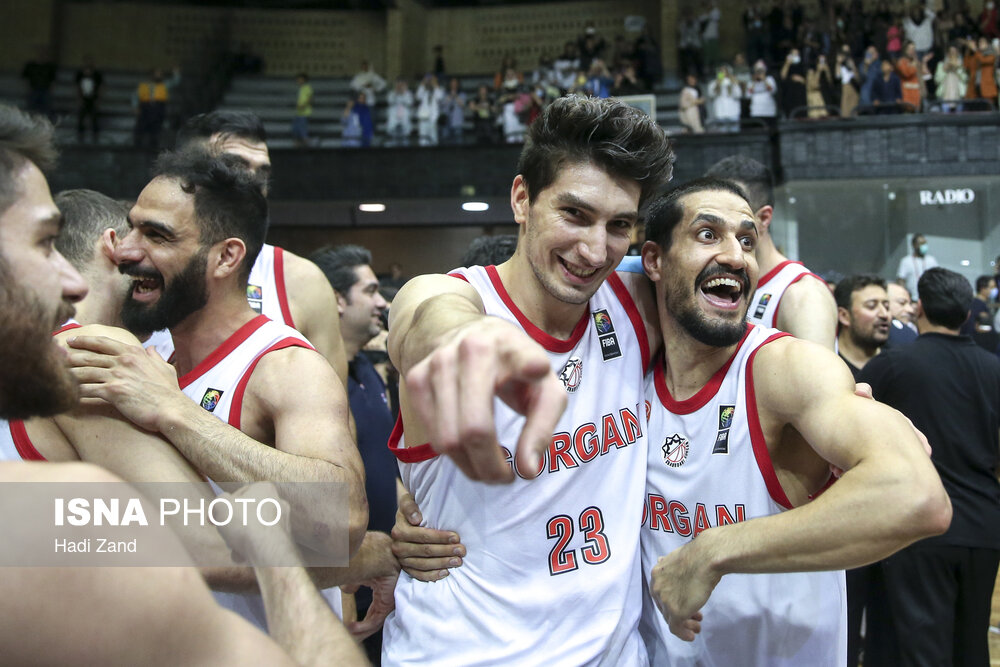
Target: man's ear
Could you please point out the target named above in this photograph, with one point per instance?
(226, 257)
(764, 215)
(652, 259)
(519, 200)
(341, 303)
(107, 243)
(843, 317)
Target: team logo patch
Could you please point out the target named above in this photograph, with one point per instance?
(675, 450)
(572, 374)
(609, 347)
(603, 323)
(211, 399)
(726, 415)
(725, 422)
(762, 306)
(255, 292)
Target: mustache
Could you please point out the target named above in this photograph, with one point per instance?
(132, 269)
(716, 270)
(65, 312)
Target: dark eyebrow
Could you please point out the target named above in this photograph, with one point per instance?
(569, 199)
(155, 226)
(710, 218)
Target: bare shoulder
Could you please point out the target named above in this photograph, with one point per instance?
(790, 374)
(297, 374)
(299, 270)
(808, 311)
(422, 288)
(116, 333)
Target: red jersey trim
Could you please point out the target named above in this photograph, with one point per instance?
(416, 454)
(223, 350)
(22, 443)
(773, 272)
(69, 326)
(757, 434)
(633, 314)
(704, 395)
(550, 343)
(459, 276)
(777, 306)
(279, 283)
(236, 406)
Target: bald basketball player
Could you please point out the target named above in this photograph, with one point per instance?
(285, 287)
(105, 615)
(788, 297)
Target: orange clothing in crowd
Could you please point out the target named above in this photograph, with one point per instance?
(909, 76)
(981, 65)
(152, 92)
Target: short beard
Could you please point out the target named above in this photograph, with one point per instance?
(715, 333)
(869, 342)
(184, 295)
(36, 378)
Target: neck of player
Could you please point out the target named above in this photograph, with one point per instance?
(201, 332)
(690, 364)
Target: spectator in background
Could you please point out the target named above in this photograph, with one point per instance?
(988, 26)
(489, 250)
(689, 43)
(819, 88)
(599, 79)
(951, 79)
(783, 37)
(903, 313)
(358, 125)
(690, 106)
(755, 27)
(848, 78)
(88, 90)
(624, 53)
(913, 265)
(980, 61)
(918, 27)
(726, 93)
(303, 110)
(887, 91)
(894, 39)
(40, 74)
(761, 93)
(910, 69)
(939, 588)
(980, 318)
(709, 22)
(793, 83)
(508, 75)
(627, 83)
(483, 116)
(514, 111)
(647, 55)
(453, 110)
(429, 97)
(870, 73)
(368, 82)
(150, 103)
(862, 319)
(566, 65)
(590, 45)
(400, 112)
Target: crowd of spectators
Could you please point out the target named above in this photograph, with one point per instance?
(845, 59)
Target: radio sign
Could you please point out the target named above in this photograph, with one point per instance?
(945, 197)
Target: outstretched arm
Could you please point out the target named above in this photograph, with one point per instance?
(454, 360)
(803, 392)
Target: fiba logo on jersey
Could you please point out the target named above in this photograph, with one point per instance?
(255, 296)
(572, 374)
(211, 399)
(675, 450)
(762, 306)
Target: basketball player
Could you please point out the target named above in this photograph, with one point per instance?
(553, 560)
(285, 287)
(104, 615)
(744, 425)
(788, 297)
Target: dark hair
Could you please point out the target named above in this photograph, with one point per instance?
(240, 124)
(338, 262)
(667, 211)
(945, 297)
(749, 174)
(913, 239)
(228, 200)
(982, 282)
(23, 138)
(86, 214)
(848, 286)
(487, 250)
(618, 138)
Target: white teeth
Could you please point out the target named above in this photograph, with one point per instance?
(577, 272)
(720, 282)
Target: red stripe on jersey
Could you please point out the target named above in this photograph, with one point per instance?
(760, 452)
(408, 454)
(279, 283)
(777, 306)
(704, 395)
(773, 272)
(223, 350)
(633, 314)
(22, 442)
(550, 343)
(69, 326)
(459, 276)
(236, 407)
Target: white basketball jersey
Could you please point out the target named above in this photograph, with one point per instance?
(218, 384)
(770, 288)
(709, 466)
(266, 286)
(15, 445)
(552, 575)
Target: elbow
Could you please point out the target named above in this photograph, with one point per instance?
(930, 511)
(357, 527)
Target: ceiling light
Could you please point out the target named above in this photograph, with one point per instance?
(475, 206)
(371, 208)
